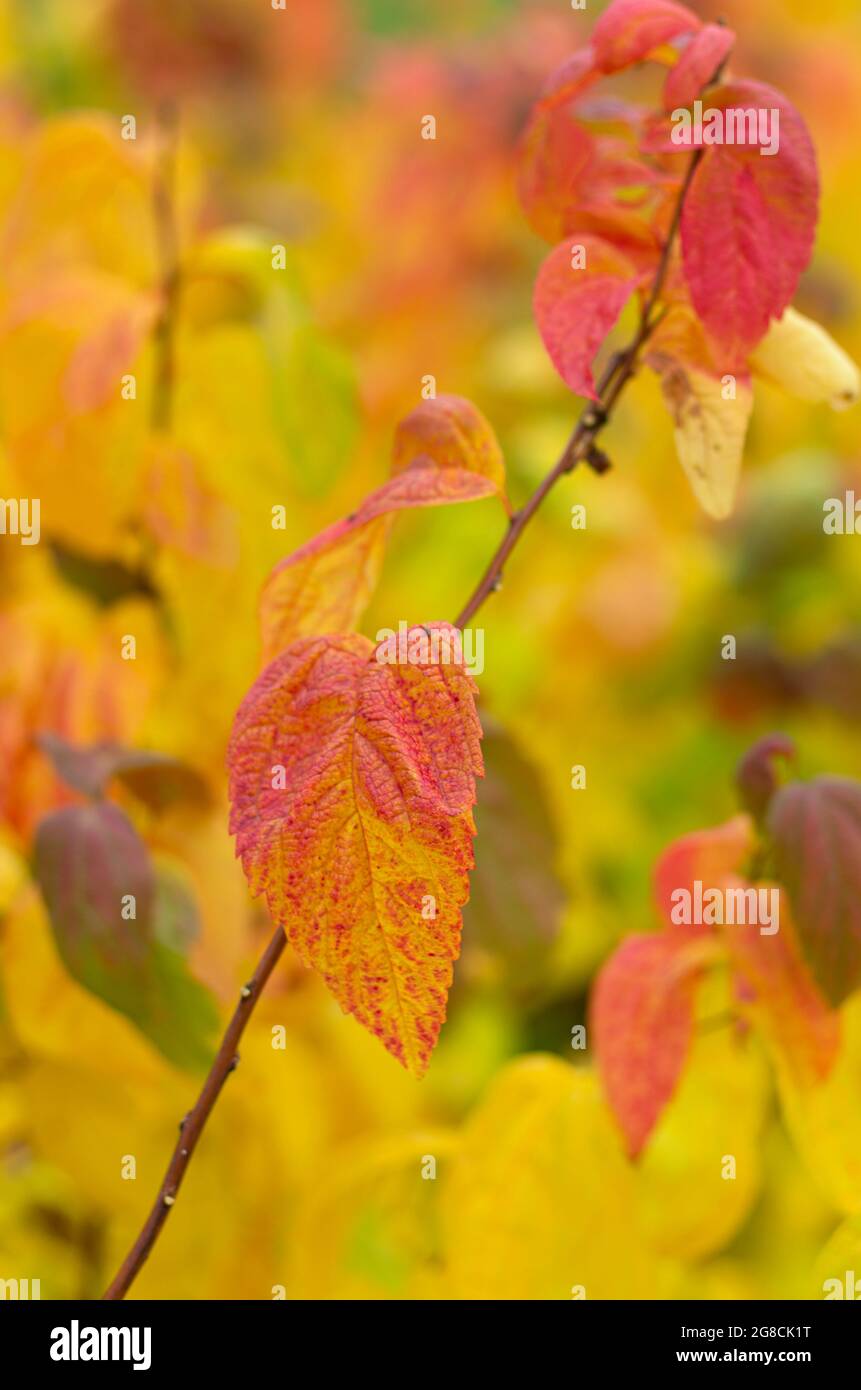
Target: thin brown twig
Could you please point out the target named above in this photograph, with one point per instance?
(592, 420)
(594, 417)
(193, 1124)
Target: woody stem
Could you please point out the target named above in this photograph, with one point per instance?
(593, 418)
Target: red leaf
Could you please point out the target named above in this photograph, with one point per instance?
(570, 79)
(577, 305)
(815, 829)
(709, 856)
(642, 1014)
(629, 30)
(351, 788)
(748, 223)
(555, 156)
(697, 66)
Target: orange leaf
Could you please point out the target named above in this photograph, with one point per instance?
(325, 585)
(444, 451)
(452, 433)
(351, 786)
(709, 856)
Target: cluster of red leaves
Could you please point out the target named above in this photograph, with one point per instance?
(606, 174)
(787, 984)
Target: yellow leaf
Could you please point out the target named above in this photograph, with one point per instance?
(370, 1227)
(700, 1172)
(837, 1272)
(799, 355)
(825, 1120)
(541, 1202)
(711, 419)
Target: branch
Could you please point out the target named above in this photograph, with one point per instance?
(192, 1126)
(616, 376)
(593, 419)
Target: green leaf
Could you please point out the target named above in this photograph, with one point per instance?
(110, 916)
(515, 896)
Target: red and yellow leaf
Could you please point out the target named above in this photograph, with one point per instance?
(452, 433)
(352, 783)
(444, 451)
(325, 585)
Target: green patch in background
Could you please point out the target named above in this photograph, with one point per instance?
(396, 18)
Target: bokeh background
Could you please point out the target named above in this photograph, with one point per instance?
(404, 258)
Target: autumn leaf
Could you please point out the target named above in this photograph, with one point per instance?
(444, 452)
(154, 778)
(541, 1203)
(452, 433)
(786, 1003)
(689, 1204)
(743, 203)
(824, 1120)
(630, 30)
(642, 1021)
(516, 898)
(708, 855)
(700, 59)
(325, 585)
(815, 831)
(710, 419)
(352, 782)
(580, 292)
(106, 906)
(798, 355)
(569, 80)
